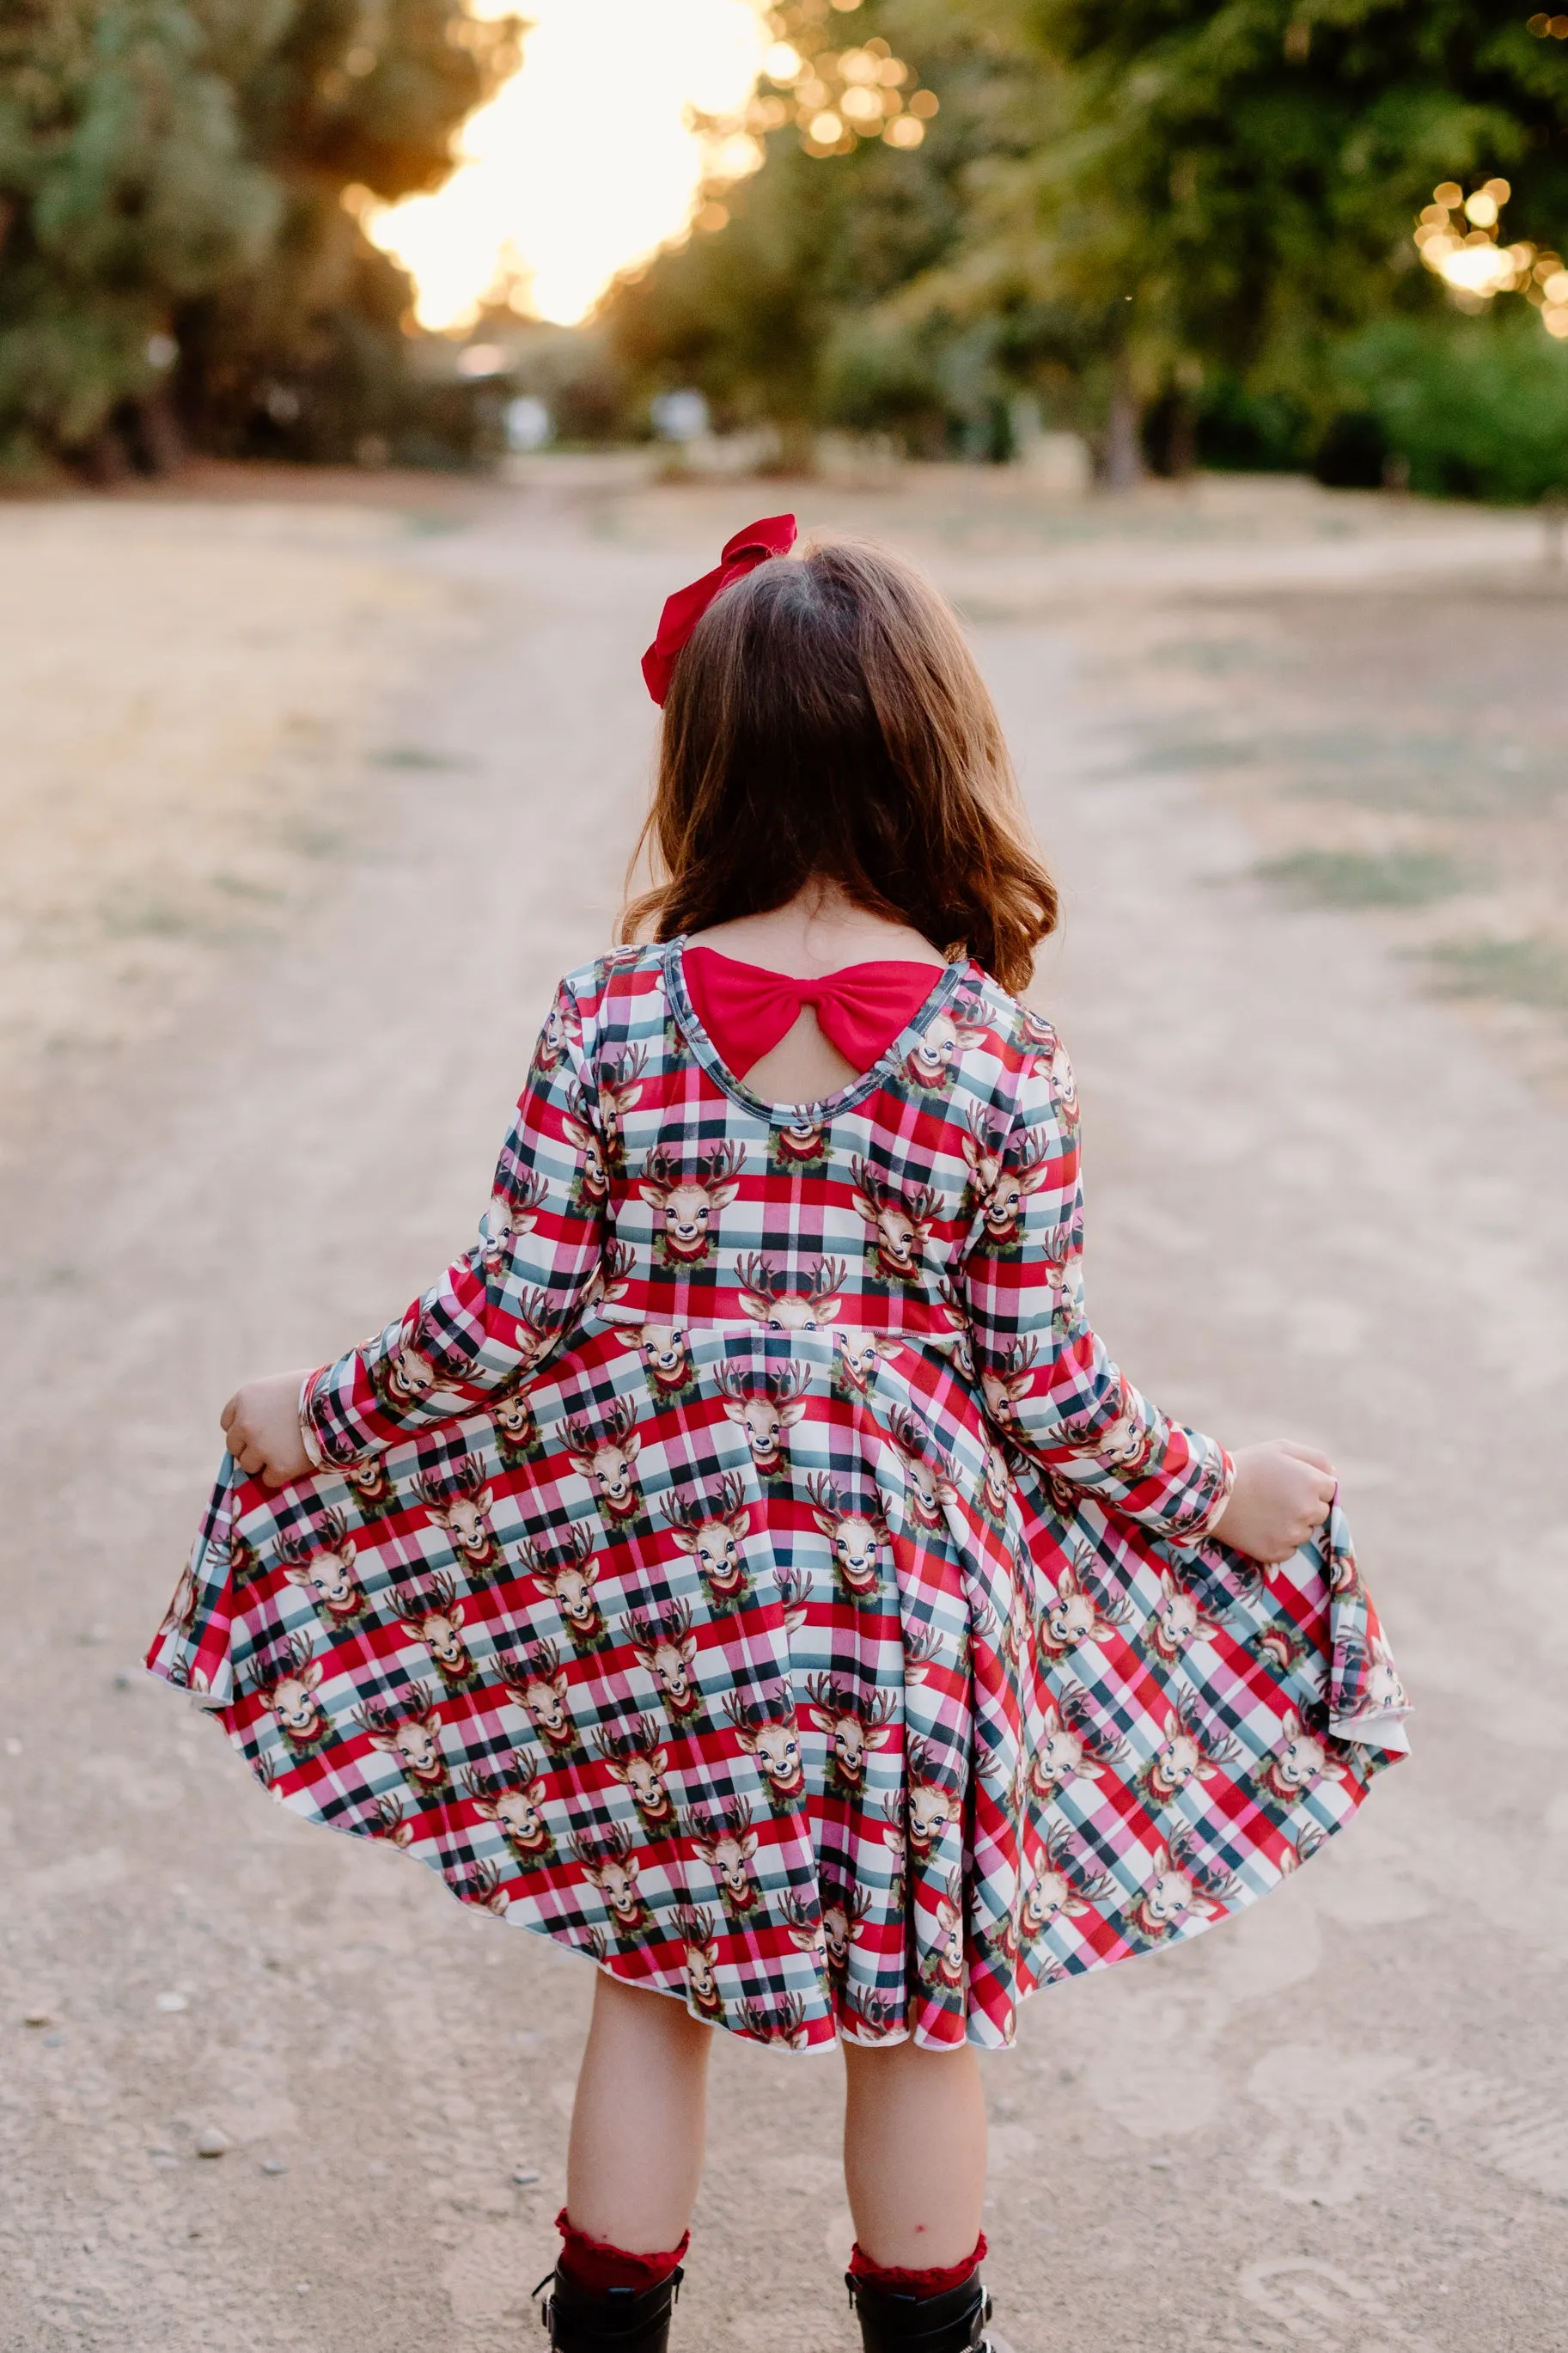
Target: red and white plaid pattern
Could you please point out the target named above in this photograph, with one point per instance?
(746, 1566)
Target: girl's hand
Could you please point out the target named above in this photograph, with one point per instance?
(1281, 1493)
(261, 1426)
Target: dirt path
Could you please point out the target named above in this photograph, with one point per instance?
(1318, 1202)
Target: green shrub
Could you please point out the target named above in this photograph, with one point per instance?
(1475, 407)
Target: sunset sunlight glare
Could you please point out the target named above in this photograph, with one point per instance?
(584, 163)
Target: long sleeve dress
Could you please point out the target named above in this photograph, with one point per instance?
(746, 1567)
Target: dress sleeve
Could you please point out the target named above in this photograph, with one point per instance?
(1050, 1385)
(503, 1310)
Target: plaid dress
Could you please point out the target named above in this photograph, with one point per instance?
(746, 1567)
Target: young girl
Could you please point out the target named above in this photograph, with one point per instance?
(745, 1564)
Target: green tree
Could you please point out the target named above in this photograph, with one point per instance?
(174, 253)
(1229, 189)
(304, 352)
(124, 191)
(790, 312)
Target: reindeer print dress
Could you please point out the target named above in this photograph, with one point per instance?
(746, 1567)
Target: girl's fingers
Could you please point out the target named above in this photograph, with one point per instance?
(226, 1417)
(1307, 1454)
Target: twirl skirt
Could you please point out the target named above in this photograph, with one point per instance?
(768, 1678)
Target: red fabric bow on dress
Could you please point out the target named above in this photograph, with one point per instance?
(747, 1011)
(774, 535)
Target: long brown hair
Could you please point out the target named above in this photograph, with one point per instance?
(826, 722)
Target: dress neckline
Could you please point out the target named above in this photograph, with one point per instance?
(945, 979)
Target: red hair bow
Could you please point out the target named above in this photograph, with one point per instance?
(774, 535)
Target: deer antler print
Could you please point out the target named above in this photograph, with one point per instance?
(899, 1220)
(689, 1208)
(804, 1309)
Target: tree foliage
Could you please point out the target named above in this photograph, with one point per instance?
(1168, 220)
(170, 177)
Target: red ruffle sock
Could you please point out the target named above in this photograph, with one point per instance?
(936, 2282)
(593, 2264)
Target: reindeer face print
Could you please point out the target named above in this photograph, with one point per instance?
(996, 1484)
(608, 1459)
(419, 1751)
(730, 1858)
(296, 1710)
(687, 1208)
(930, 1805)
(1299, 1761)
(1169, 1897)
(327, 1576)
(1177, 1621)
(1180, 1759)
(900, 1222)
(858, 1356)
(516, 1427)
(613, 1870)
(563, 1030)
(369, 1484)
(777, 1752)
(436, 1622)
(460, 1505)
(930, 1062)
(672, 1663)
(1069, 1747)
(1077, 1615)
(727, 1843)
(699, 1939)
(718, 1554)
(713, 1537)
(411, 1732)
(800, 1142)
(410, 1374)
(948, 1956)
(512, 1213)
(931, 1810)
(666, 1649)
(1124, 1446)
(835, 1937)
(766, 1731)
(1179, 1887)
(856, 1552)
(856, 1538)
(464, 1517)
(569, 1578)
(854, 1727)
(650, 1795)
(521, 1823)
(546, 1704)
(666, 1356)
(1381, 1685)
(764, 1416)
(1048, 1899)
(639, 1763)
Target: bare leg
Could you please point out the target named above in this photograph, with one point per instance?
(633, 2161)
(914, 2153)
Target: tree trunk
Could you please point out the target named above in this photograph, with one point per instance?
(161, 434)
(1123, 444)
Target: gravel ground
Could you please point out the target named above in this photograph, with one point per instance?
(1323, 1201)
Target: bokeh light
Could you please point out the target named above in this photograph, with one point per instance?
(1458, 238)
(587, 161)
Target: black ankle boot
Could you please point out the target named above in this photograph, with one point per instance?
(608, 2320)
(953, 2322)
